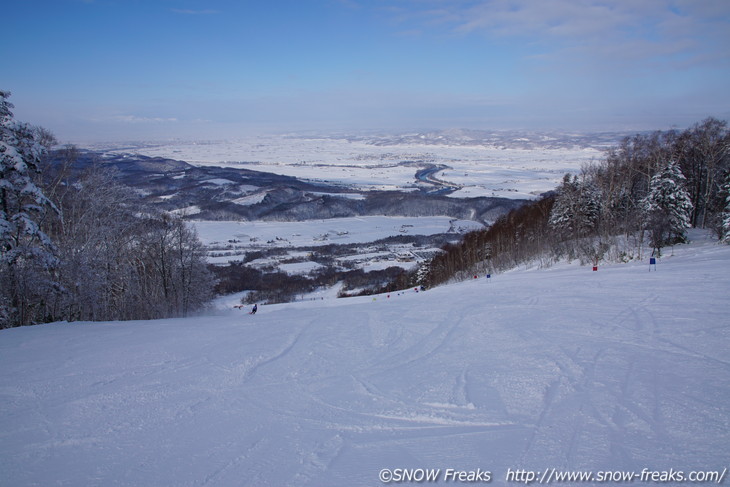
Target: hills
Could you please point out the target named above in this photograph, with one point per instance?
(238, 193)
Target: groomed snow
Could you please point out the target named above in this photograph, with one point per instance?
(565, 368)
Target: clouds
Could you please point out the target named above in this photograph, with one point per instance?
(610, 60)
(658, 31)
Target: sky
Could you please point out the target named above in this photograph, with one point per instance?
(103, 70)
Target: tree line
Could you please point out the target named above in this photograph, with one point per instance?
(279, 287)
(644, 194)
(80, 246)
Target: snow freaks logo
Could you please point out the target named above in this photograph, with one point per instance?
(549, 476)
(418, 475)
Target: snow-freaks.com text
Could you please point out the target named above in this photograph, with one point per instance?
(646, 475)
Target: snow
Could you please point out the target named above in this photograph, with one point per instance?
(188, 210)
(230, 240)
(565, 368)
(480, 170)
(251, 199)
(382, 264)
(299, 267)
(219, 181)
(396, 256)
(323, 232)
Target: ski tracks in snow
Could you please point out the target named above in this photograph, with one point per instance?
(610, 379)
(563, 368)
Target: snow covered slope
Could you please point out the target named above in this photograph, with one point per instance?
(621, 369)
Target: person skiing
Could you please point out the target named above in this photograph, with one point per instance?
(254, 309)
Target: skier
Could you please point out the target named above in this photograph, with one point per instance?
(254, 309)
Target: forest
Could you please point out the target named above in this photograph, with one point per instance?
(81, 246)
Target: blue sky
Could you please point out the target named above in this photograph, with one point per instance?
(130, 69)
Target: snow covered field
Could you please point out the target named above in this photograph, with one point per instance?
(230, 240)
(480, 170)
(618, 370)
(324, 232)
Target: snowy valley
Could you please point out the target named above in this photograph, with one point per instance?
(376, 200)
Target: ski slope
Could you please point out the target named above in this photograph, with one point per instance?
(621, 369)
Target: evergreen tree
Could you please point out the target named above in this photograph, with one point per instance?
(577, 208)
(422, 273)
(588, 210)
(668, 207)
(26, 252)
(561, 215)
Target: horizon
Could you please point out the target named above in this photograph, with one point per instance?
(111, 70)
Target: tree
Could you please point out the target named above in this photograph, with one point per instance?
(422, 272)
(703, 153)
(668, 207)
(577, 207)
(171, 267)
(119, 259)
(96, 240)
(27, 254)
(725, 229)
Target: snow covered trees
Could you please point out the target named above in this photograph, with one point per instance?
(668, 207)
(651, 197)
(79, 246)
(94, 239)
(703, 154)
(575, 219)
(577, 207)
(27, 255)
(118, 259)
(171, 267)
